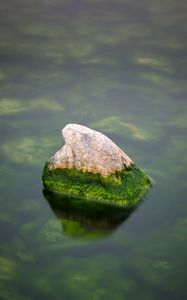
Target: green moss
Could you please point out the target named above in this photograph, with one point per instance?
(51, 231)
(124, 188)
(25, 147)
(116, 124)
(8, 269)
(123, 126)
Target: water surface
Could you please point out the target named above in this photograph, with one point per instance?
(118, 67)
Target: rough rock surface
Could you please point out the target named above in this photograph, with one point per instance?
(88, 150)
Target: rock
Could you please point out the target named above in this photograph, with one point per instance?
(91, 167)
(88, 150)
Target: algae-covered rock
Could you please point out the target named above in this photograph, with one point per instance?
(91, 167)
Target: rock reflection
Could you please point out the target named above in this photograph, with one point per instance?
(83, 219)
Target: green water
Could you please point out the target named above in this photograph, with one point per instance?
(119, 67)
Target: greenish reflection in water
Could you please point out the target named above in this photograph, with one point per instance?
(86, 219)
(120, 67)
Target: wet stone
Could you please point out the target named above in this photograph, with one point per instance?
(92, 167)
(88, 150)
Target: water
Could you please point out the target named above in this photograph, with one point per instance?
(119, 67)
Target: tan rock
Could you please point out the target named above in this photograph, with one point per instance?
(89, 151)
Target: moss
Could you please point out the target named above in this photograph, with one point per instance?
(8, 268)
(123, 126)
(73, 228)
(51, 231)
(25, 149)
(124, 188)
(11, 106)
(116, 124)
(14, 106)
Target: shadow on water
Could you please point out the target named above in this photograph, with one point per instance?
(86, 219)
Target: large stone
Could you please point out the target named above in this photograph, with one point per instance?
(88, 150)
(91, 167)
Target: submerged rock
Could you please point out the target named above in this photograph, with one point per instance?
(90, 166)
(86, 218)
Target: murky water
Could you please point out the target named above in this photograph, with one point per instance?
(119, 67)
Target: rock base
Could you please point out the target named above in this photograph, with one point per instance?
(124, 188)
